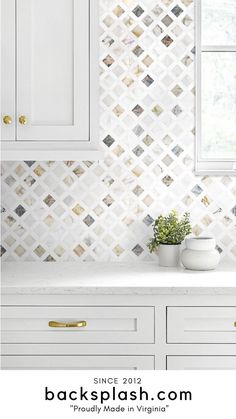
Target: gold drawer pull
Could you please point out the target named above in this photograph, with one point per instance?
(234, 324)
(81, 323)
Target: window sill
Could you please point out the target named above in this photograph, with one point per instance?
(215, 168)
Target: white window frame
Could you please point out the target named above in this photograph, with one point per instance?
(207, 166)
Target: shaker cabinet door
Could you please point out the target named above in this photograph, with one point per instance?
(49, 80)
(8, 63)
(52, 70)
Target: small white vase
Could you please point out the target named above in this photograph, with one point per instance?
(200, 254)
(169, 255)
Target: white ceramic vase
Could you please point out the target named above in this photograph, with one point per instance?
(169, 255)
(200, 254)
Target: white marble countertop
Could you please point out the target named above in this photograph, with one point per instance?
(113, 278)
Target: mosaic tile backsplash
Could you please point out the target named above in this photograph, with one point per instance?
(87, 211)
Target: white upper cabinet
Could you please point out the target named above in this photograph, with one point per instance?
(49, 81)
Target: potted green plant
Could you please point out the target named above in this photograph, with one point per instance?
(169, 232)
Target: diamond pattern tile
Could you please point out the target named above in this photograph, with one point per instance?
(88, 211)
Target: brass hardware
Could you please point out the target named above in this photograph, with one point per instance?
(23, 120)
(7, 119)
(234, 324)
(81, 323)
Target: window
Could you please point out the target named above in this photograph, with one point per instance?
(216, 87)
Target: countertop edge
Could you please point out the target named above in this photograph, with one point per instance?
(175, 290)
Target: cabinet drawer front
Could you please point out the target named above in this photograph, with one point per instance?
(79, 362)
(201, 325)
(103, 324)
(201, 362)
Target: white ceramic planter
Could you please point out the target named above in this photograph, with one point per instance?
(200, 254)
(169, 255)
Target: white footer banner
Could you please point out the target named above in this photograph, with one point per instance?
(118, 394)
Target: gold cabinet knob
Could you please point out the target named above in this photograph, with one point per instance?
(7, 119)
(23, 120)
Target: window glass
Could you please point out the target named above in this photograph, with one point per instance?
(218, 105)
(218, 22)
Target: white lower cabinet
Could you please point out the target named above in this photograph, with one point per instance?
(201, 362)
(79, 362)
(118, 331)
